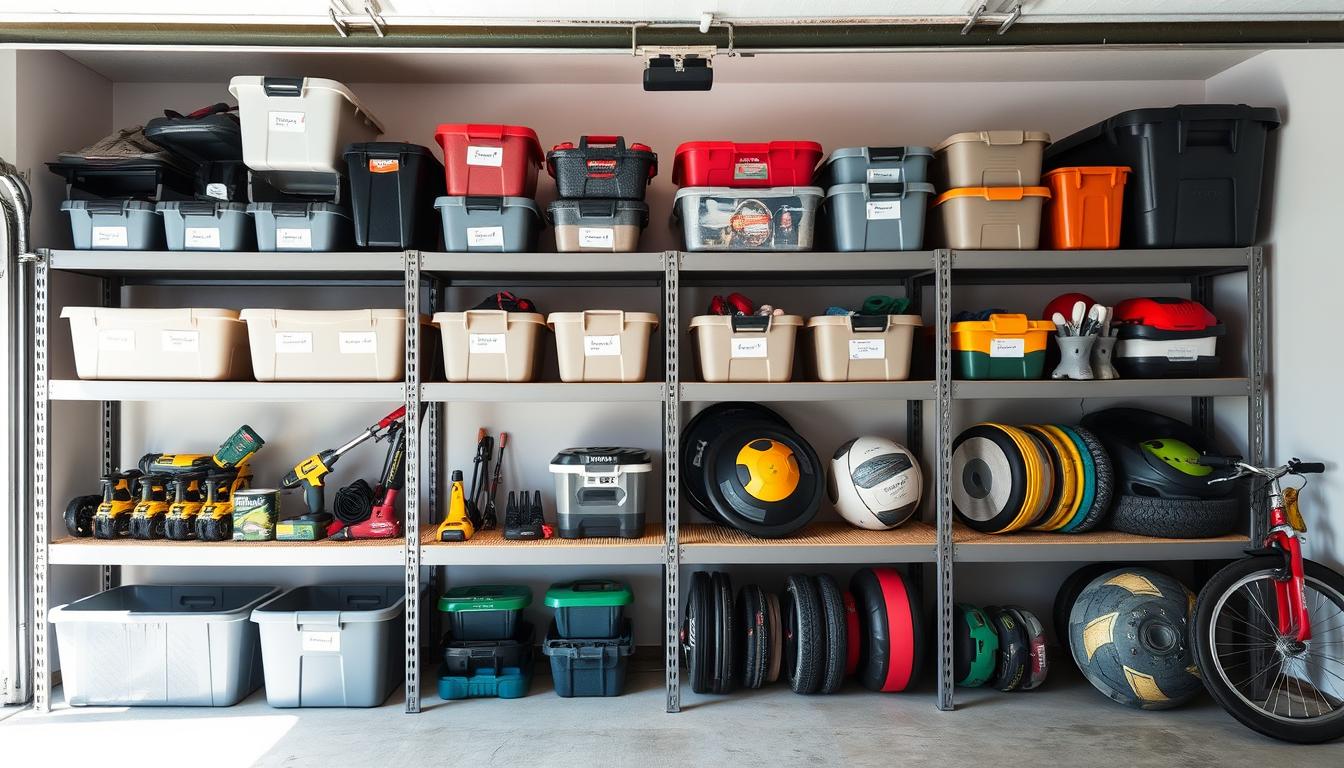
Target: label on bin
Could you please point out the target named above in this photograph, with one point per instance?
(358, 342)
(597, 237)
(880, 175)
(217, 191)
(885, 209)
(749, 347)
(478, 237)
(1008, 348)
(1182, 353)
(485, 343)
(289, 122)
(384, 165)
(293, 343)
(201, 237)
(601, 346)
(116, 340)
(293, 238)
(491, 156)
(755, 171)
(109, 237)
(867, 349)
(601, 480)
(180, 341)
(313, 640)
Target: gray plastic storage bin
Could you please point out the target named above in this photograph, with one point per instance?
(332, 646)
(301, 226)
(144, 645)
(598, 225)
(206, 226)
(875, 165)
(123, 225)
(489, 224)
(589, 667)
(877, 217)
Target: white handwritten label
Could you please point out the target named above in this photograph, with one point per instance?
(201, 237)
(884, 209)
(320, 642)
(1008, 348)
(289, 122)
(879, 175)
(180, 341)
(867, 349)
(492, 157)
(358, 342)
(749, 347)
(294, 238)
(293, 343)
(109, 237)
(601, 346)
(217, 191)
(1182, 353)
(485, 343)
(116, 340)
(483, 237)
(597, 237)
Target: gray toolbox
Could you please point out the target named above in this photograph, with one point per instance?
(332, 646)
(207, 226)
(302, 226)
(600, 491)
(598, 225)
(123, 225)
(143, 645)
(877, 217)
(875, 165)
(489, 224)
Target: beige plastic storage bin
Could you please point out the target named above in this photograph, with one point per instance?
(991, 159)
(863, 347)
(490, 344)
(988, 218)
(746, 347)
(340, 345)
(602, 344)
(158, 344)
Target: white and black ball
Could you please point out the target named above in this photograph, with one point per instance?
(875, 483)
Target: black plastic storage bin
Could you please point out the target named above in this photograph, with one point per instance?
(1196, 171)
(602, 167)
(392, 191)
(485, 612)
(464, 658)
(591, 667)
(215, 141)
(146, 179)
(589, 608)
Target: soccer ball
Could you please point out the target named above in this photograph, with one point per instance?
(874, 483)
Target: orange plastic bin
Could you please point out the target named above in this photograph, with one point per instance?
(1085, 206)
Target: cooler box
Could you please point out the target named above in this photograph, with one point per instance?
(327, 345)
(589, 667)
(391, 189)
(591, 608)
(991, 159)
(301, 226)
(485, 612)
(875, 165)
(732, 164)
(863, 347)
(878, 216)
(333, 646)
(724, 219)
(207, 226)
(122, 225)
(159, 344)
(462, 658)
(1085, 207)
(489, 224)
(598, 225)
(600, 492)
(490, 344)
(989, 218)
(1197, 171)
(1002, 347)
(602, 344)
(745, 347)
(508, 683)
(602, 167)
(177, 646)
(499, 160)
(1165, 337)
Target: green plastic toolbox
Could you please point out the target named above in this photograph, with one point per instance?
(591, 608)
(485, 612)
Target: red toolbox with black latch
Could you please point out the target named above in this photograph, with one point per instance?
(732, 164)
(602, 167)
(1165, 338)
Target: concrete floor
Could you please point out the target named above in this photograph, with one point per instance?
(1064, 724)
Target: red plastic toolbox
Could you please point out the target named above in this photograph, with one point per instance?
(729, 164)
(495, 160)
(602, 167)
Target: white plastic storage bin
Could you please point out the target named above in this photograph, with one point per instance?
(158, 344)
(746, 347)
(863, 347)
(602, 344)
(175, 646)
(490, 344)
(326, 345)
(332, 646)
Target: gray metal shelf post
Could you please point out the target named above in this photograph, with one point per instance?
(671, 479)
(412, 484)
(41, 489)
(942, 264)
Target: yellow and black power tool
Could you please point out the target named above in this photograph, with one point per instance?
(311, 473)
(214, 522)
(110, 518)
(186, 496)
(456, 525)
(148, 515)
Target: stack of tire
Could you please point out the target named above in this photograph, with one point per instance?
(814, 635)
(1003, 648)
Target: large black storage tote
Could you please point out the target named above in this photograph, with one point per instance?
(1196, 171)
(392, 191)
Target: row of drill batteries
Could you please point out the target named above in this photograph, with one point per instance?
(189, 504)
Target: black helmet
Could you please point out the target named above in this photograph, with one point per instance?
(1155, 455)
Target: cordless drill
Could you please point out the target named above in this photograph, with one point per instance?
(312, 471)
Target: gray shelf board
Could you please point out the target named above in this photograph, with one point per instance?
(1108, 266)
(543, 392)
(1099, 549)
(390, 553)
(606, 554)
(238, 267)
(705, 264)
(1046, 389)
(288, 391)
(452, 265)
(812, 554)
(806, 391)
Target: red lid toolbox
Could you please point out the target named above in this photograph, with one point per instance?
(1165, 337)
(494, 160)
(602, 167)
(729, 164)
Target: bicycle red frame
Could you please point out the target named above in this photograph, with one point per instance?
(1291, 593)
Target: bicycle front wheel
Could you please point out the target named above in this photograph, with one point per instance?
(1270, 682)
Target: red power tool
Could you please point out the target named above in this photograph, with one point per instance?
(364, 514)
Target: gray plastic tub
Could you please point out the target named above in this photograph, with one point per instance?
(207, 226)
(122, 225)
(301, 226)
(875, 165)
(141, 645)
(489, 224)
(877, 217)
(332, 646)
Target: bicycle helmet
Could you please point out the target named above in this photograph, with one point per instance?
(1154, 455)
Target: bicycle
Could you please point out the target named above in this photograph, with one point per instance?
(1268, 630)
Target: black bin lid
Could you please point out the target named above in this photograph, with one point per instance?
(601, 456)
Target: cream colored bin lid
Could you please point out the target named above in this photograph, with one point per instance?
(818, 320)
(309, 84)
(708, 320)
(558, 318)
(487, 319)
(184, 317)
(328, 317)
(994, 138)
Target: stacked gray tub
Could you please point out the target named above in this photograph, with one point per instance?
(489, 224)
(876, 197)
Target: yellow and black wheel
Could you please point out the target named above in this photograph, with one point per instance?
(767, 480)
